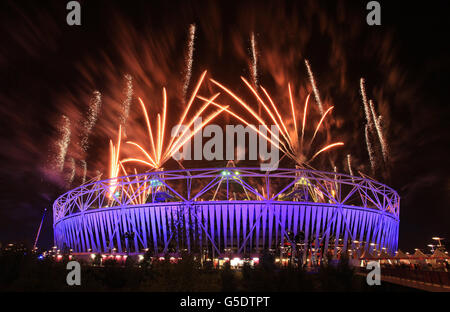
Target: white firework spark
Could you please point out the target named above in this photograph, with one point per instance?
(127, 102)
(91, 119)
(254, 65)
(349, 164)
(372, 121)
(189, 59)
(369, 148)
(314, 86)
(379, 132)
(365, 104)
(63, 143)
(372, 111)
(84, 166)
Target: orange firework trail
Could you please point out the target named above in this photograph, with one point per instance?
(293, 108)
(289, 142)
(161, 152)
(241, 119)
(369, 148)
(88, 125)
(251, 111)
(114, 165)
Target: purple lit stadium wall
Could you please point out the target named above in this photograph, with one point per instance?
(227, 209)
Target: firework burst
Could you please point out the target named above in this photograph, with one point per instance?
(71, 171)
(127, 102)
(373, 128)
(314, 87)
(189, 59)
(254, 62)
(91, 119)
(160, 151)
(63, 142)
(84, 167)
(291, 142)
(366, 104)
(369, 148)
(114, 162)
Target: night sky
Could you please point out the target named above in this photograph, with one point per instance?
(49, 68)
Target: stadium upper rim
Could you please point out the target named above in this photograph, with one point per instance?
(321, 187)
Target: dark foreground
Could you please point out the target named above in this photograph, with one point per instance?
(27, 273)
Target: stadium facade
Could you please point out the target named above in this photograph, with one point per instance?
(229, 211)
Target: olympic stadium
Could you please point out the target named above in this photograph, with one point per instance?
(223, 212)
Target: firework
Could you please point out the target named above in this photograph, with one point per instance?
(91, 119)
(254, 63)
(127, 102)
(252, 112)
(189, 59)
(289, 142)
(349, 164)
(373, 121)
(314, 86)
(376, 120)
(241, 119)
(137, 186)
(71, 174)
(365, 104)
(160, 152)
(320, 123)
(63, 142)
(330, 146)
(114, 165)
(293, 109)
(84, 167)
(369, 148)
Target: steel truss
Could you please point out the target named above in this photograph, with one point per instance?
(240, 209)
